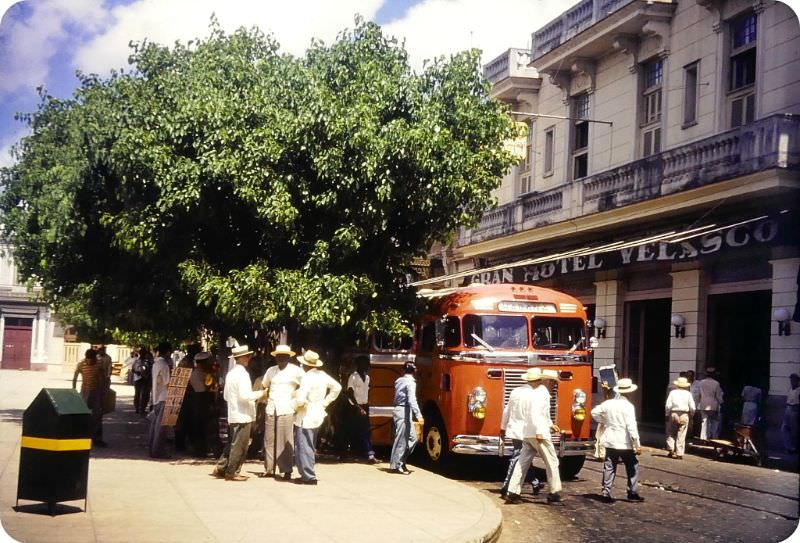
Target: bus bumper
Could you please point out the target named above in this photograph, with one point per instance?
(489, 446)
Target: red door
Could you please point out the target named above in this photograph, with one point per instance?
(17, 344)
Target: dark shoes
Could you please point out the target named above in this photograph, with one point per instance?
(512, 498)
(285, 478)
(372, 460)
(236, 478)
(537, 487)
(606, 498)
(553, 498)
(312, 482)
(400, 471)
(635, 498)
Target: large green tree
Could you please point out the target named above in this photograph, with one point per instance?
(222, 184)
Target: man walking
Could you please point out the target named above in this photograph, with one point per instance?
(160, 379)
(537, 425)
(679, 410)
(240, 397)
(405, 406)
(317, 390)
(512, 427)
(358, 427)
(709, 404)
(620, 439)
(92, 377)
(280, 381)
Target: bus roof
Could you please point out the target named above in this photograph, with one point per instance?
(518, 298)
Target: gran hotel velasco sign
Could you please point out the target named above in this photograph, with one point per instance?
(765, 232)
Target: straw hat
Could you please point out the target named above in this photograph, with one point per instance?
(537, 374)
(283, 350)
(240, 350)
(682, 382)
(624, 386)
(310, 358)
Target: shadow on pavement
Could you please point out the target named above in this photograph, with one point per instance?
(43, 509)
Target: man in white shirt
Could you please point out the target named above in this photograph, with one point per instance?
(678, 409)
(241, 398)
(620, 439)
(534, 411)
(160, 380)
(709, 404)
(511, 425)
(317, 390)
(358, 427)
(281, 382)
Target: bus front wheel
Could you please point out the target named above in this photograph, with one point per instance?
(435, 440)
(569, 466)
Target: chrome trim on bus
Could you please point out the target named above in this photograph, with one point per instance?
(380, 411)
(515, 357)
(391, 358)
(488, 446)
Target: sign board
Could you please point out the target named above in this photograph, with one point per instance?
(176, 390)
(766, 232)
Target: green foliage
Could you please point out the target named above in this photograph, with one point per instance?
(228, 186)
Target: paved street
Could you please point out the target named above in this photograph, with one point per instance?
(135, 498)
(696, 499)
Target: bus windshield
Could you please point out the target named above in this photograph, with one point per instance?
(558, 333)
(498, 331)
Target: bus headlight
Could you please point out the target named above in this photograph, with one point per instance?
(476, 403)
(579, 405)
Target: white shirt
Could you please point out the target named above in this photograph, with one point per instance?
(527, 413)
(360, 387)
(240, 396)
(679, 399)
(317, 390)
(160, 380)
(618, 417)
(793, 397)
(710, 394)
(282, 384)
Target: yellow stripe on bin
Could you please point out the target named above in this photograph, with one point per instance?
(47, 444)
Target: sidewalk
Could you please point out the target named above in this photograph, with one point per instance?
(134, 498)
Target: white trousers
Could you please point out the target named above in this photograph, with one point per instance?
(709, 429)
(544, 448)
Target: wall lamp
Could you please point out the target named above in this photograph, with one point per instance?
(600, 325)
(783, 318)
(679, 322)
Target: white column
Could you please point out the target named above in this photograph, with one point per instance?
(2, 334)
(34, 340)
(609, 306)
(784, 355)
(689, 298)
(41, 338)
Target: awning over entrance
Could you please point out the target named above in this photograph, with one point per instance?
(671, 245)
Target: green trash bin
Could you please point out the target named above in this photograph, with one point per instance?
(55, 446)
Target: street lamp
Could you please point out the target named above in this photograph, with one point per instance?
(783, 318)
(679, 321)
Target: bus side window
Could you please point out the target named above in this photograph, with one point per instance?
(427, 337)
(452, 332)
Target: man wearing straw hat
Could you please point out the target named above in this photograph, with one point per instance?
(535, 410)
(679, 410)
(317, 390)
(241, 397)
(281, 381)
(620, 439)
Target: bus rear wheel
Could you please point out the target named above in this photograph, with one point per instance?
(569, 466)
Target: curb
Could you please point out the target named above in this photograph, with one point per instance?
(488, 527)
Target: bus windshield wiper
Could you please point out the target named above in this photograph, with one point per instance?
(479, 340)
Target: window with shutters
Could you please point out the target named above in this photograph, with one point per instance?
(742, 69)
(690, 93)
(549, 150)
(580, 136)
(652, 82)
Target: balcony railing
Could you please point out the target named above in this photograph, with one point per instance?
(769, 143)
(512, 63)
(572, 22)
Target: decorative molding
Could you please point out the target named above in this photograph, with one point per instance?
(562, 80)
(758, 6)
(527, 101)
(714, 7)
(628, 44)
(660, 29)
(584, 69)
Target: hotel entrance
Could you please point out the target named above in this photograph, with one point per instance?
(739, 340)
(646, 358)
